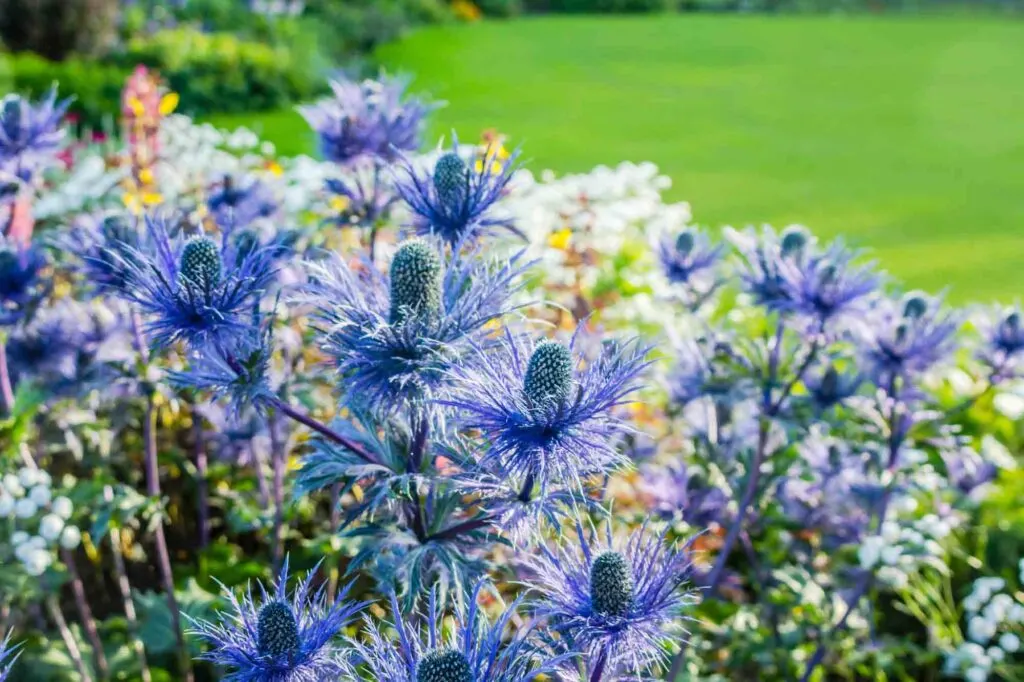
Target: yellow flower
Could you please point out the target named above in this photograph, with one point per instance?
(466, 10)
(168, 103)
(152, 198)
(339, 204)
(560, 240)
(146, 176)
(275, 168)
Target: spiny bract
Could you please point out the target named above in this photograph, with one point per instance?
(549, 373)
(200, 263)
(450, 178)
(611, 585)
(415, 281)
(277, 630)
(444, 665)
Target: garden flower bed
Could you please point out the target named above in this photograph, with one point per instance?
(427, 417)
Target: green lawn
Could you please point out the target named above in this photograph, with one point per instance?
(905, 135)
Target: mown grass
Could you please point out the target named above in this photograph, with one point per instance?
(905, 135)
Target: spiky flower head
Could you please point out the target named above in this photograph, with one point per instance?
(1002, 347)
(763, 256)
(183, 288)
(456, 199)
(905, 337)
(370, 120)
(690, 258)
(382, 365)
(444, 665)
(236, 203)
(416, 274)
(30, 134)
(611, 584)
(200, 264)
(277, 631)
(274, 636)
(552, 441)
(21, 279)
(451, 178)
(549, 373)
(623, 602)
(477, 649)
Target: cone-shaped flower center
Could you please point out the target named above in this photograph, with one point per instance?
(915, 307)
(444, 665)
(685, 242)
(12, 114)
(611, 585)
(200, 263)
(277, 631)
(549, 373)
(450, 178)
(415, 281)
(1013, 322)
(793, 242)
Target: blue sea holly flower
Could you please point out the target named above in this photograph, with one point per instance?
(101, 243)
(368, 120)
(236, 203)
(274, 636)
(30, 134)
(394, 338)
(762, 259)
(1002, 349)
(826, 287)
(547, 415)
(367, 197)
(476, 649)
(904, 338)
(616, 604)
(22, 284)
(456, 198)
(690, 258)
(194, 289)
(8, 655)
(829, 387)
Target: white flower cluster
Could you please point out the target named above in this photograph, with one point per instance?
(37, 521)
(901, 548)
(995, 619)
(607, 220)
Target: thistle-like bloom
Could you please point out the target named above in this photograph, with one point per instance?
(68, 347)
(477, 650)
(547, 415)
(689, 258)
(101, 243)
(1002, 350)
(194, 290)
(617, 605)
(906, 338)
(393, 339)
(677, 492)
(371, 119)
(826, 288)
(456, 199)
(830, 387)
(763, 259)
(8, 656)
(236, 203)
(21, 279)
(30, 134)
(271, 636)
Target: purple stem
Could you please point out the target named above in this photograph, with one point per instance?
(278, 458)
(6, 390)
(598, 672)
(202, 480)
(323, 430)
(125, 588)
(85, 613)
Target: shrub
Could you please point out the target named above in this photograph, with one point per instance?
(359, 26)
(602, 6)
(97, 87)
(218, 72)
(500, 8)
